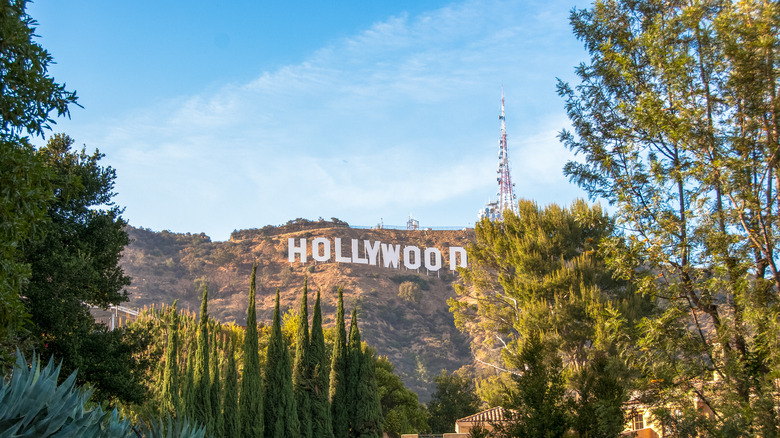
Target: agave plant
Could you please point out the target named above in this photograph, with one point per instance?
(32, 404)
(178, 428)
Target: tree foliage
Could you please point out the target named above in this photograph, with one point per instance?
(251, 397)
(28, 95)
(537, 406)
(202, 380)
(320, 406)
(365, 417)
(544, 273)
(339, 399)
(676, 118)
(302, 368)
(401, 410)
(170, 385)
(280, 413)
(74, 261)
(232, 425)
(455, 397)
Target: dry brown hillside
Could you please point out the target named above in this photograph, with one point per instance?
(418, 336)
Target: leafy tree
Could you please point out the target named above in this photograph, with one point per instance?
(202, 392)
(543, 272)
(29, 95)
(302, 369)
(74, 262)
(598, 408)
(455, 397)
(537, 406)
(320, 407)
(170, 385)
(401, 410)
(339, 398)
(675, 116)
(280, 415)
(251, 398)
(22, 211)
(27, 98)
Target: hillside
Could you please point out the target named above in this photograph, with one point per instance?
(418, 336)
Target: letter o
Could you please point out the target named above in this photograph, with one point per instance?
(436, 265)
(315, 249)
(407, 255)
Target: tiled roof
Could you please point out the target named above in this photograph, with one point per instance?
(492, 415)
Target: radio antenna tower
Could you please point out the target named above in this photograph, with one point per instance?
(507, 201)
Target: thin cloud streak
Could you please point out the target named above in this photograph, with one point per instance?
(400, 117)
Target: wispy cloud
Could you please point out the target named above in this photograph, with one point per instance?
(400, 117)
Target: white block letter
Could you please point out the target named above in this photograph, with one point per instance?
(436, 264)
(318, 242)
(390, 255)
(372, 251)
(408, 255)
(356, 255)
(292, 250)
(455, 250)
(339, 258)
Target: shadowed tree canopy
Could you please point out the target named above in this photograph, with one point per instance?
(74, 262)
(455, 397)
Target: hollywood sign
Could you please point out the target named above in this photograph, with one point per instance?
(390, 255)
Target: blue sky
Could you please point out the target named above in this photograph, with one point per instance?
(223, 116)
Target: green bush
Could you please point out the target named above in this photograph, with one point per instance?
(410, 291)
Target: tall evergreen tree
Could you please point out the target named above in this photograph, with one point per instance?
(170, 387)
(202, 407)
(188, 392)
(217, 421)
(354, 356)
(365, 419)
(320, 407)
(251, 397)
(339, 400)
(302, 369)
(280, 415)
(232, 427)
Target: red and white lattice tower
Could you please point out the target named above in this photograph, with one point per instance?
(507, 201)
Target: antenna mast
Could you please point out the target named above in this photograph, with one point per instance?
(507, 201)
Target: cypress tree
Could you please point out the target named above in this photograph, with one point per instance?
(368, 406)
(170, 387)
(188, 392)
(251, 398)
(302, 369)
(281, 416)
(339, 400)
(320, 407)
(202, 393)
(365, 418)
(216, 389)
(232, 427)
(354, 356)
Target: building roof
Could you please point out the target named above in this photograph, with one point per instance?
(492, 415)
